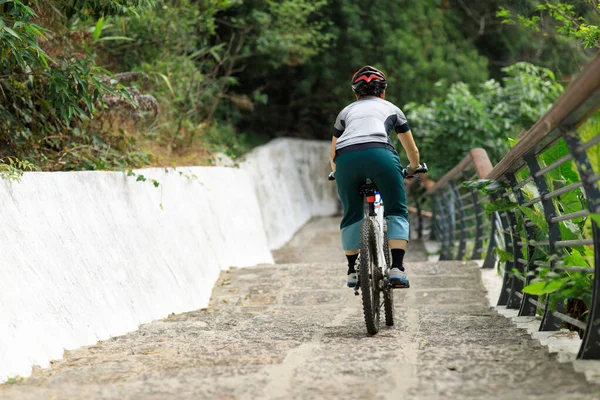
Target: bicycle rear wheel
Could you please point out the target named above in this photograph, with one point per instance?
(369, 276)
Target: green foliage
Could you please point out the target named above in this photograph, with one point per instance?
(562, 285)
(487, 186)
(587, 132)
(539, 288)
(504, 255)
(463, 119)
(46, 100)
(528, 91)
(85, 9)
(285, 35)
(536, 216)
(193, 55)
(265, 68)
(12, 168)
(415, 43)
(223, 138)
(170, 48)
(507, 43)
(142, 178)
(14, 380)
(571, 20)
(53, 106)
(500, 205)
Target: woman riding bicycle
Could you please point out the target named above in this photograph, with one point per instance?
(361, 148)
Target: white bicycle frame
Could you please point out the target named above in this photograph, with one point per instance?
(379, 224)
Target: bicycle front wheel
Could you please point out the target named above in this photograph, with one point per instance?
(369, 276)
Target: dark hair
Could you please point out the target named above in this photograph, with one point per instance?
(373, 88)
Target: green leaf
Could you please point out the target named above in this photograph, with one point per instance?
(536, 217)
(108, 38)
(485, 185)
(215, 55)
(595, 218)
(500, 205)
(98, 29)
(570, 231)
(539, 288)
(575, 259)
(504, 14)
(504, 255)
(10, 31)
(164, 77)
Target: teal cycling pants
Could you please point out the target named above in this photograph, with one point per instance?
(383, 167)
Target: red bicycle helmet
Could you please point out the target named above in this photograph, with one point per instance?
(365, 76)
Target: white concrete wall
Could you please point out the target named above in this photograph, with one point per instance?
(290, 177)
(89, 255)
(85, 256)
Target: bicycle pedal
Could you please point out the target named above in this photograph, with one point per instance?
(400, 286)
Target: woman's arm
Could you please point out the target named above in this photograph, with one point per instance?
(410, 148)
(332, 153)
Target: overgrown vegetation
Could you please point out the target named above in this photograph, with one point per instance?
(61, 110)
(51, 87)
(12, 168)
(570, 20)
(117, 84)
(564, 285)
(463, 119)
(495, 29)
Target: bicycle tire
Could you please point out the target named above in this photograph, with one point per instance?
(386, 248)
(369, 277)
(388, 292)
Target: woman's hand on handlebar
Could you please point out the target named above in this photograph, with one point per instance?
(411, 172)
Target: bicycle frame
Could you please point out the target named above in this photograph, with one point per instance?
(373, 209)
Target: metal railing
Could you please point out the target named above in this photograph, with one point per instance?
(536, 212)
(460, 222)
(418, 207)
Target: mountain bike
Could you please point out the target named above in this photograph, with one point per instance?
(374, 260)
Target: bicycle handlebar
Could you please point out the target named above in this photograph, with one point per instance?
(421, 169)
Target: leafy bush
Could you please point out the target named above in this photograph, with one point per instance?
(51, 86)
(505, 43)
(566, 284)
(224, 138)
(266, 67)
(190, 56)
(462, 119)
(578, 20)
(415, 43)
(12, 168)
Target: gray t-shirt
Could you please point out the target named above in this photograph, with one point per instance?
(370, 120)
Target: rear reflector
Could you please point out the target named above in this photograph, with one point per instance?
(371, 199)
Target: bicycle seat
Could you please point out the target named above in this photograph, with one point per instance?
(367, 187)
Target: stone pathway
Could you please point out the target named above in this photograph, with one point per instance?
(293, 331)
